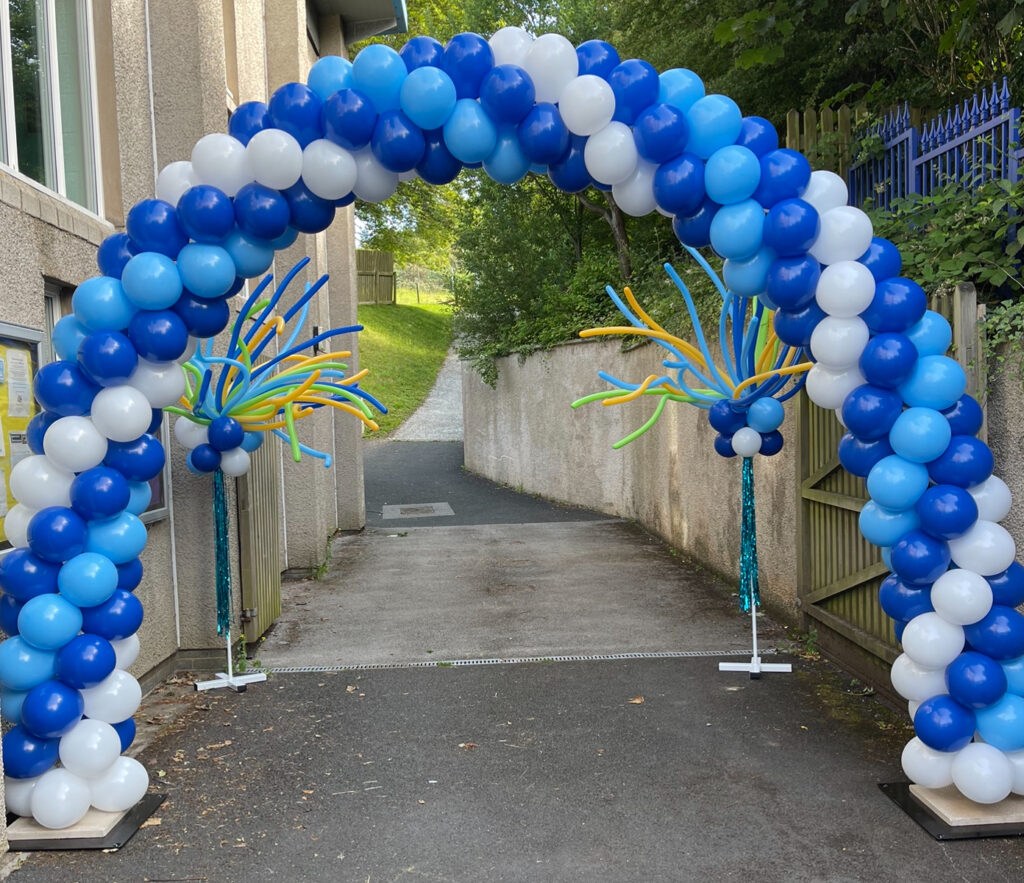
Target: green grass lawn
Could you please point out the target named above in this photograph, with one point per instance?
(409, 296)
(403, 346)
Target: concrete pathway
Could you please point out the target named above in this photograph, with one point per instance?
(439, 418)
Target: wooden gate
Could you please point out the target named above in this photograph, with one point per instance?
(840, 571)
(260, 541)
(375, 276)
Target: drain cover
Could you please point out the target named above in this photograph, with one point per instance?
(417, 510)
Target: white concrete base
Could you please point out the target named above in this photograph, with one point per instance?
(95, 824)
(955, 810)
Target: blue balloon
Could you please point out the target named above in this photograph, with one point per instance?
(438, 166)
(156, 421)
(204, 458)
(715, 121)
(129, 575)
(310, 213)
(428, 97)
(920, 434)
(120, 538)
(10, 607)
(125, 732)
(252, 441)
(726, 419)
(771, 443)
(765, 414)
(897, 305)
(791, 227)
(596, 57)
(138, 460)
(1012, 668)
(87, 579)
(882, 258)
(248, 119)
(506, 164)
(51, 709)
(113, 253)
(999, 633)
(903, 602)
(635, 85)
(1002, 723)
(328, 75)
(1008, 586)
(897, 484)
(967, 461)
(349, 118)
(225, 433)
(27, 756)
(569, 174)
(467, 59)
(108, 357)
(56, 533)
(944, 724)
(153, 225)
(888, 359)
(68, 334)
(785, 174)
(100, 304)
(23, 574)
(737, 230)
(758, 135)
(11, 702)
(791, 282)
(882, 526)
(919, 559)
(158, 335)
(543, 136)
(661, 132)
(260, 212)
(23, 666)
(422, 52)
(935, 382)
(206, 214)
(253, 257)
(378, 72)
(682, 88)
(206, 270)
(931, 334)
(37, 427)
(731, 174)
(748, 278)
(679, 185)
(141, 493)
(694, 228)
(795, 327)
(976, 681)
(397, 142)
(85, 661)
(295, 109)
(870, 411)
(507, 93)
(965, 417)
(203, 316)
(49, 621)
(118, 617)
(723, 446)
(63, 388)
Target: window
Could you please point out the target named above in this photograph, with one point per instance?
(47, 99)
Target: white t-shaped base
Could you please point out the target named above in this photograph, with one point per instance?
(755, 666)
(238, 683)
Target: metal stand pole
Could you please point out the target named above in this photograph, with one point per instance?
(238, 683)
(755, 666)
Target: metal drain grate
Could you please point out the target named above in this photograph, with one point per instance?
(452, 663)
(417, 510)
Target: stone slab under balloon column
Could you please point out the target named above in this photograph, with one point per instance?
(810, 298)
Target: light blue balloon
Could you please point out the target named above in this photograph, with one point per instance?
(732, 174)
(378, 72)
(141, 493)
(252, 441)
(765, 414)
(748, 278)
(250, 257)
(120, 538)
(936, 382)
(1002, 724)
(506, 164)
(206, 270)
(715, 121)
(470, 134)
(920, 434)
(1014, 669)
(887, 556)
(100, 304)
(48, 621)
(151, 281)
(67, 337)
(329, 74)
(680, 88)
(87, 579)
(737, 230)
(23, 666)
(897, 484)
(883, 526)
(931, 334)
(428, 97)
(10, 705)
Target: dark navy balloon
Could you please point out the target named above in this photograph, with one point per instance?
(437, 166)
(679, 185)
(56, 534)
(129, 575)
(10, 607)
(882, 258)
(946, 511)
(901, 601)
(726, 419)
(296, 109)
(785, 174)
(125, 732)
(153, 225)
(791, 282)
(100, 492)
(23, 574)
(660, 132)
(261, 212)
(898, 303)
(597, 57)
(349, 118)
(309, 213)
(204, 458)
(999, 633)
(467, 59)
(771, 443)
(796, 326)
(114, 619)
(203, 316)
(27, 756)
(206, 213)
(422, 52)
(965, 417)
(858, 455)
(108, 357)
(158, 335)
(543, 137)
(919, 559)
(944, 724)
(114, 252)
(635, 86)
(507, 93)
(138, 460)
(723, 445)
(791, 227)
(1007, 587)
(397, 142)
(225, 433)
(37, 427)
(248, 119)
(758, 135)
(85, 661)
(51, 709)
(694, 228)
(570, 173)
(966, 462)
(975, 680)
(888, 359)
(63, 388)
(869, 412)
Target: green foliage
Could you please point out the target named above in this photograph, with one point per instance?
(1003, 337)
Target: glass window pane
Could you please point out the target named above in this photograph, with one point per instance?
(31, 112)
(73, 74)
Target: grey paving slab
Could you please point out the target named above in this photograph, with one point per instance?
(439, 418)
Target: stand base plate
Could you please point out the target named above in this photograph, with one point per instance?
(238, 683)
(97, 830)
(755, 666)
(947, 815)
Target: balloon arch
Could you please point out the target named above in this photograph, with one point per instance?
(809, 297)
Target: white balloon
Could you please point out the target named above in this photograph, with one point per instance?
(587, 105)
(986, 548)
(931, 641)
(410, 175)
(927, 767)
(993, 498)
(912, 706)
(275, 158)
(509, 45)
(961, 596)
(162, 383)
(75, 444)
(635, 195)
(60, 799)
(915, 682)
(190, 435)
(374, 183)
(552, 63)
(1016, 758)
(121, 413)
(828, 389)
(114, 699)
(328, 169)
(37, 482)
(174, 179)
(610, 155)
(18, 795)
(89, 747)
(222, 162)
(837, 343)
(120, 786)
(982, 773)
(190, 349)
(16, 524)
(126, 651)
(845, 289)
(746, 441)
(826, 190)
(234, 462)
(839, 416)
(845, 235)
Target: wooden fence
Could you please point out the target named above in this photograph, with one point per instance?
(375, 276)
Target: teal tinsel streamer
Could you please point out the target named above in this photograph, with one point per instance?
(748, 541)
(220, 520)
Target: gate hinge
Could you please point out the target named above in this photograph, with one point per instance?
(249, 614)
